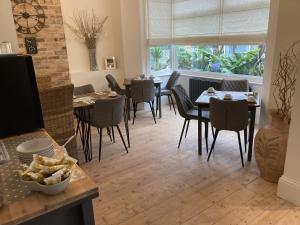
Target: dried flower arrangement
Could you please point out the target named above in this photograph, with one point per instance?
(285, 82)
(87, 27)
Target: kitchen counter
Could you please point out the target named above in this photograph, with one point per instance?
(22, 206)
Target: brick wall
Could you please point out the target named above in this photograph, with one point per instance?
(51, 61)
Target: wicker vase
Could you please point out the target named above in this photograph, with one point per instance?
(93, 59)
(270, 148)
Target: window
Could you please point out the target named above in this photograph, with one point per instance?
(160, 58)
(229, 59)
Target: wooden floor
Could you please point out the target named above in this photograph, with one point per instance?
(158, 184)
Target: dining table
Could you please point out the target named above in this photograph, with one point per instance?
(82, 104)
(157, 83)
(203, 102)
(23, 206)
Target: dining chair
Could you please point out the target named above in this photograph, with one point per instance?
(189, 111)
(142, 91)
(167, 90)
(230, 115)
(107, 113)
(82, 90)
(237, 85)
(114, 86)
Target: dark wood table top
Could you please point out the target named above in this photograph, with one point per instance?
(88, 100)
(127, 82)
(204, 98)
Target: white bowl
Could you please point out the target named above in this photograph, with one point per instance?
(35, 145)
(48, 189)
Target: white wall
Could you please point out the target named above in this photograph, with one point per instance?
(7, 26)
(288, 20)
(109, 44)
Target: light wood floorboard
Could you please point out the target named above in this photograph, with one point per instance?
(158, 184)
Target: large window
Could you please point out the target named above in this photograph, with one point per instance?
(228, 59)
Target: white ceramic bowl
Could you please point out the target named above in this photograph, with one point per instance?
(48, 189)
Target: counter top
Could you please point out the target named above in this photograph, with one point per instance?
(34, 204)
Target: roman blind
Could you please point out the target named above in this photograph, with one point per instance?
(207, 21)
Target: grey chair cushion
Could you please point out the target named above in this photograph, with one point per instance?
(193, 115)
(163, 92)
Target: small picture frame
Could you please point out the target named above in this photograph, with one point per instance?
(110, 63)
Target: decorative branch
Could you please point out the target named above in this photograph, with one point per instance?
(285, 82)
(87, 27)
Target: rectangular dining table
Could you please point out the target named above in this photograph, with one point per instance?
(157, 84)
(203, 102)
(82, 104)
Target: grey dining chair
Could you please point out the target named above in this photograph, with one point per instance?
(114, 86)
(85, 89)
(229, 115)
(235, 85)
(142, 91)
(167, 90)
(107, 113)
(81, 90)
(189, 112)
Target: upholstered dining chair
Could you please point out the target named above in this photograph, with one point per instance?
(107, 113)
(81, 90)
(228, 115)
(237, 85)
(142, 91)
(166, 91)
(114, 86)
(189, 112)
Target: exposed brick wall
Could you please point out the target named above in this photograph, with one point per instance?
(51, 61)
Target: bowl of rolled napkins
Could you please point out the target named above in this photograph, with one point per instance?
(48, 175)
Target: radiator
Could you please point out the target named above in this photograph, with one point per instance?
(198, 85)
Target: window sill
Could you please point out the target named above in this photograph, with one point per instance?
(252, 79)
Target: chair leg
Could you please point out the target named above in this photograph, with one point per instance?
(156, 110)
(134, 111)
(187, 128)
(100, 143)
(113, 134)
(241, 150)
(109, 133)
(151, 103)
(182, 132)
(173, 104)
(213, 144)
(212, 130)
(169, 102)
(206, 135)
(122, 137)
(245, 138)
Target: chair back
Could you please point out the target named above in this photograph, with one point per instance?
(182, 99)
(85, 89)
(142, 90)
(172, 80)
(107, 112)
(228, 115)
(113, 84)
(235, 85)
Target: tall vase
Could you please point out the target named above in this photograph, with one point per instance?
(270, 148)
(93, 59)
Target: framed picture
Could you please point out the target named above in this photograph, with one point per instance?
(110, 63)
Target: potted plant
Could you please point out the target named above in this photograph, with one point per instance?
(271, 141)
(88, 27)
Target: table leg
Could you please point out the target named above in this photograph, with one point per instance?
(126, 112)
(199, 130)
(159, 105)
(251, 132)
(128, 100)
